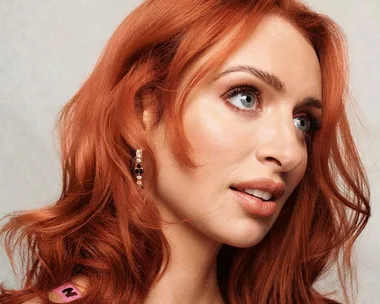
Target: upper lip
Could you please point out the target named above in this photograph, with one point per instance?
(277, 189)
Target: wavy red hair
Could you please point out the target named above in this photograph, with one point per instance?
(104, 227)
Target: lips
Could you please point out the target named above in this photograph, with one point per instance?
(277, 189)
(255, 205)
(233, 188)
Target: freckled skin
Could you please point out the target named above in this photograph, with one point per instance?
(237, 147)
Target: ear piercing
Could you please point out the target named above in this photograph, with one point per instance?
(138, 167)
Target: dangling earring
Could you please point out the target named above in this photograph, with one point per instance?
(138, 167)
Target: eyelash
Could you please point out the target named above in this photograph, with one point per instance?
(315, 123)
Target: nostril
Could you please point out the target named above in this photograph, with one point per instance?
(270, 158)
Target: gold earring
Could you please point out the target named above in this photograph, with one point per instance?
(138, 166)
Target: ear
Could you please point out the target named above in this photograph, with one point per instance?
(146, 109)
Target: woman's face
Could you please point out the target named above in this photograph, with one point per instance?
(267, 140)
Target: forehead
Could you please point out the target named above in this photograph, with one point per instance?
(277, 47)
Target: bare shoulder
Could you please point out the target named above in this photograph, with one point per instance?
(80, 282)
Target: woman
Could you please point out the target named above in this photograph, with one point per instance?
(207, 159)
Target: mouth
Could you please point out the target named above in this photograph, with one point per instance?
(262, 189)
(257, 197)
(253, 204)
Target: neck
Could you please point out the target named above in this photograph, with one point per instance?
(191, 275)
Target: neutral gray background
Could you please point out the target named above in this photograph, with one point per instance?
(48, 48)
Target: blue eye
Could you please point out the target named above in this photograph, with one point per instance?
(303, 123)
(246, 95)
(308, 125)
(247, 99)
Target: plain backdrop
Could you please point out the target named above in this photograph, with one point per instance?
(48, 48)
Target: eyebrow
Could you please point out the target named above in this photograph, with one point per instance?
(271, 80)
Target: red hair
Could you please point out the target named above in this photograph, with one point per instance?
(104, 227)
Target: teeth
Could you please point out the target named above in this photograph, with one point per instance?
(259, 193)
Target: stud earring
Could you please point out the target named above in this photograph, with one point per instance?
(138, 167)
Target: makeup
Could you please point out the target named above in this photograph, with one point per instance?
(255, 205)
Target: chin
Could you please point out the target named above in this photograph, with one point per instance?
(245, 234)
(243, 243)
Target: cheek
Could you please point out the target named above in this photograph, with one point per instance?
(212, 136)
(292, 180)
(299, 173)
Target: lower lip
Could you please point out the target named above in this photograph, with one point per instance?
(255, 205)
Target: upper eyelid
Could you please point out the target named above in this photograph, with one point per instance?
(250, 87)
(242, 87)
(309, 102)
(309, 113)
(264, 90)
(239, 79)
(314, 119)
(268, 78)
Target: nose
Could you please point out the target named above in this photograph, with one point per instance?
(281, 144)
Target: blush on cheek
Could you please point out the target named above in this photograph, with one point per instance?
(211, 136)
(210, 130)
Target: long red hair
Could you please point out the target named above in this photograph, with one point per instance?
(104, 227)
